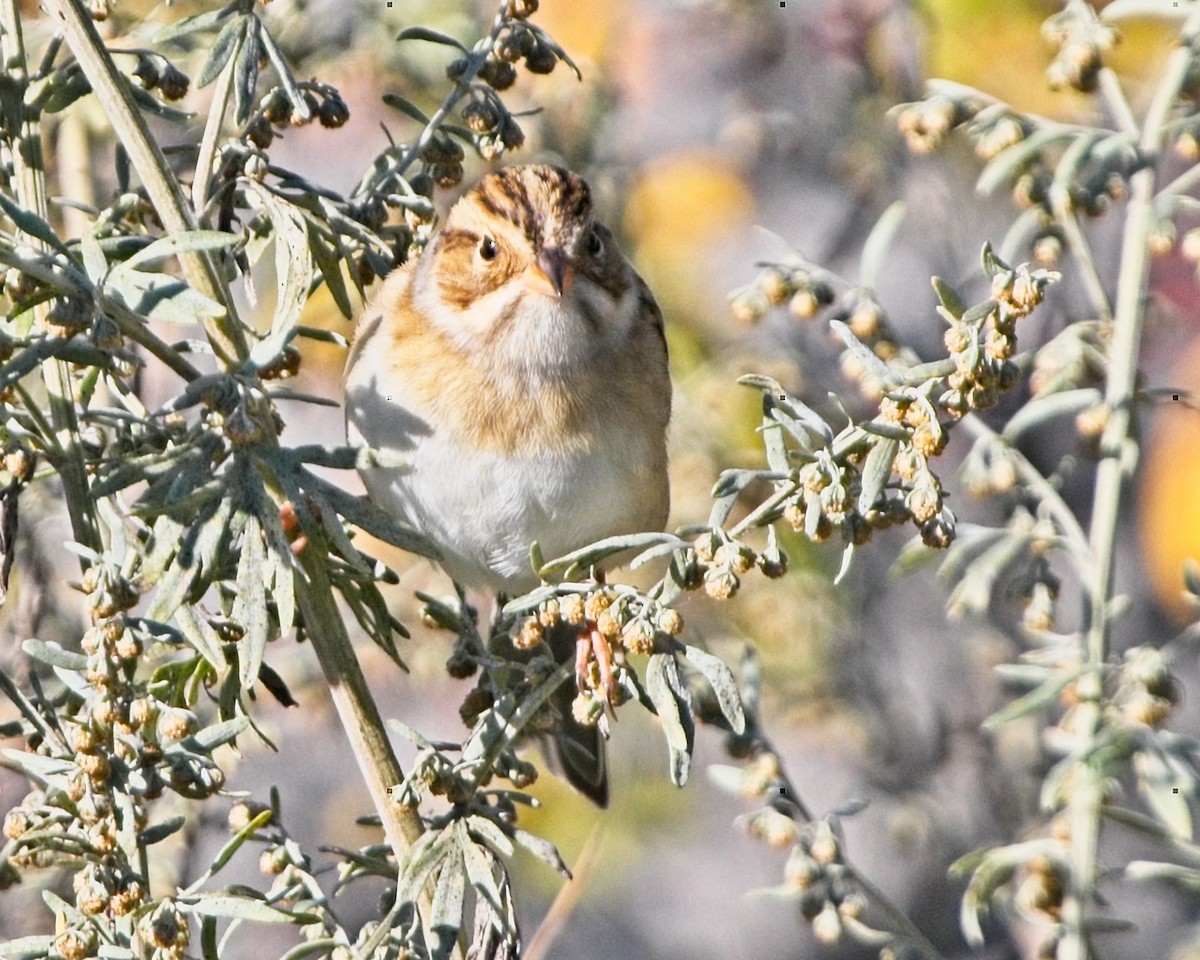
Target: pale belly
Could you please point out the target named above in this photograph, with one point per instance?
(485, 509)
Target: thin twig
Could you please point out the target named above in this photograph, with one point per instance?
(1120, 448)
(226, 333)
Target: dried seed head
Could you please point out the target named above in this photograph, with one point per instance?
(175, 723)
(777, 830)
(827, 925)
(333, 112)
(496, 73)
(530, 634)
(573, 608)
(596, 604)
(541, 58)
(608, 624)
(173, 84)
(670, 622)
(720, 584)
(638, 637)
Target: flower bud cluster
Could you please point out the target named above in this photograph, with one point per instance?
(1146, 691)
(1100, 179)
(982, 348)
(1081, 41)
(154, 72)
(494, 129)
(279, 109)
(805, 292)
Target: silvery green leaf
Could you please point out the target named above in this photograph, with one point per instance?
(446, 912)
(1042, 696)
(875, 248)
(977, 313)
(543, 849)
(1071, 164)
(1191, 576)
(1173, 873)
(419, 861)
(991, 263)
(200, 634)
(673, 706)
(250, 603)
(812, 517)
(246, 68)
(31, 223)
(432, 36)
(293, 269)
(170, 247)
(193, 24)
(491, 834)
(223, 47)
(52, 653)
(949, 297)
(1040, 409)
(34, 765)
(283, 577)
(211, 737)
(329, 262)
(157, 832)
(656, 551)
(844, 567)
(23, 947)
(160, 296)
(593, 553)
(1168, 790)
(971, 541)
(363, 513)
(850, 807)
(882, 428)
(559, 52)
(239, 908)
(974, 590)
(75, 681)
(1022, 674)
(876, 471)
(94, 261)
(479, 871)
(114, 951)
(734, 481)
(1011, 161)
(723, 684)
(324, 946)
(864, 355)
(406, 107)
(151, 104)
(235, 843)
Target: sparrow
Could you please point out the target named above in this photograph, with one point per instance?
(515, 376)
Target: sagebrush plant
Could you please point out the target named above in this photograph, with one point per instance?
(202, 539)
(1112, 759)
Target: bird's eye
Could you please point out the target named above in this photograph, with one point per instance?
(595, 244)
(488, 249)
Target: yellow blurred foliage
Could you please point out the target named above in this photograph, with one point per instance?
(584, 30)
(1169, 504)
(680, 209)
(998, 48)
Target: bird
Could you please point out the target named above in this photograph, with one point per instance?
(515, 374)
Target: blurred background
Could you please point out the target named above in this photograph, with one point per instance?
(715, 135)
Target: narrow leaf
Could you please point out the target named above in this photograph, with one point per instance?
(432, 36)
(722, 681)
(668, 697)
(878, 241)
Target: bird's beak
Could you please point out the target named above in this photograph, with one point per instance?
(551, 274)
